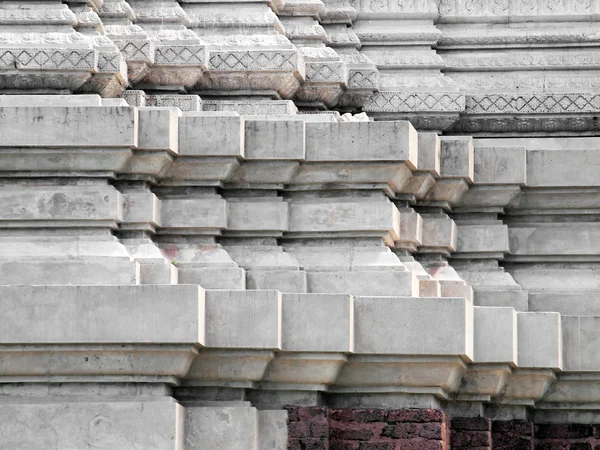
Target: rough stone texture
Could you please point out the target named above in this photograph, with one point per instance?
(227, 207)
(324, 428)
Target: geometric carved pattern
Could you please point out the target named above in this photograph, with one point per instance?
(363, 79)
(531, 125)
(48, 58)
(136, 50)
(180, 55)
(329, 71)
(394, 101)
(533, 103)
(255, 107)
(254, 60)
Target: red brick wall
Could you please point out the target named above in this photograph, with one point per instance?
(321, 428)
(567, 437)
(367, 429)
(473, 433)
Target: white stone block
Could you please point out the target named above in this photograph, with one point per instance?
(581, 335)
(140, 206)
(243, 319)
(317, 323)
(413, 326)
(123, 425)
(349, 141)
(495, 335)
(194, 213)
(272, 430)
(439, 233)
(539, 340)
(205, 134)
(159, 129)
(482, 238)
(574, 239)
(250, 215)
(499, 165)
(378, 217)
(457, 157)
(69, 127)
(158, 314)
(364, 282)
(274, 139)
(221, 427)
(33, 206)
(563, 167)
(429, 152)
(38, 100)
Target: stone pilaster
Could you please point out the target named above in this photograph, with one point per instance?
(400, 38)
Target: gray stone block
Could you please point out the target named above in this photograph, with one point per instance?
(102, 314)
(317, 323)
(123, 425)
(243, 319)
(413, 326)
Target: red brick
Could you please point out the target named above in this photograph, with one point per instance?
(377, 446)
(319, 430)
(581, 446)
(298, 430)
(551, 446)
(358, 415)
(337, 444)
(401, 431)
(351, 434)
(421, 445)
(308, 444)
(471, 423)
(566, 431)
(416, 415)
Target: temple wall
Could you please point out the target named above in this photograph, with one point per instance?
(299, 224)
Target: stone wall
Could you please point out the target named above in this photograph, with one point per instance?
(322, 428)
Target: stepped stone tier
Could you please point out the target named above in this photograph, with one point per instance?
(299, 224)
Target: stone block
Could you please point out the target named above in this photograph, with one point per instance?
(348, 141)
(482, 239)
(69, 126)
(539, 340)
(457, 157)
(63, 269)
(226, 427)
(580, 343)
(159, 129)
(39, 100)
(243, 319)
(317, 323)
(212, 277)
(123, 425)
(440, 234)
(275, 138)
(411, 229)
(206, 134)
(377, 218)
(140, 207)
(260, 215)
(429, 152)
(272, 430)
(404, 326)
(33, 206)
(146, 314)
(208, 214)
(563, 167)
(499, 165)
(495, 335)
(537, 240)
(364, 282)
